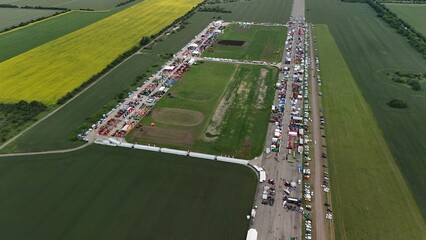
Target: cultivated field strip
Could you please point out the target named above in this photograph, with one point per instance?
(48, 72)
(370, 197)
(14, 16)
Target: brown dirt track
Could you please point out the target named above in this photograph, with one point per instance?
(178, 116)
(163, 136)
(235, 43)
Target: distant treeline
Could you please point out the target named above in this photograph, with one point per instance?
(13, 115)
(31, 21)
(33, 7)
(214, 9)
(144, 41)
(416, 39)
(124, 3)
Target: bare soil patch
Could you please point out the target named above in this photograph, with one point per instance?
(235, 43)
(178, 116)
(261, 93)
(164, 136)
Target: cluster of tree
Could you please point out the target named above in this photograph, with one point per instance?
(8, 6)
(416, 39)
(412, 79)
(33, 7)
(214, 9)
(30, 21)
(13, 115)
(397, 103)
(87, 9)
(45, 8)
(124, 3)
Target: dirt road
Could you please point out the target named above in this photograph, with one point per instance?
(319, 225)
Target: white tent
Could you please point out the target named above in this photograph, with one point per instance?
(251, 234)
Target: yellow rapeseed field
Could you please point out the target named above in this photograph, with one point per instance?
(48, 72)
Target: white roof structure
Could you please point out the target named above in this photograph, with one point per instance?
(193, 45)
(251, 234)
(169, 68)
(191, 61)
(262, 176)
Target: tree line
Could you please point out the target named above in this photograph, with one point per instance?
(415, 39)
(14, 115)
(215, 9)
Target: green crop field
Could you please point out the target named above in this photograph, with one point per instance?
(378, 204)
(55, 131)
(372, 49)
(16, 42)
(217, 108)
(260, 11)
(114, 193)
(12, 16)
(260, 43)
(413, 14)
(71, 4)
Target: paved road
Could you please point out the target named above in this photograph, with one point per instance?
(319, 220)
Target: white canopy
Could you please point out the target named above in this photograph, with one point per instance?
(251, 234)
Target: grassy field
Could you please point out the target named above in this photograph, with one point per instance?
(261, 43)
(71, 4)
(413, 14)
(55, 132)
(371, 50)
(217, 108)
(16, 42)
(12, 16)
(115, 193)
(378, 204)
(34, 75)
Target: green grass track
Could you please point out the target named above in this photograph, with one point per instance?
(372, 50)
(371, 200)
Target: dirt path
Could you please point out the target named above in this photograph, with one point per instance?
(319, 219)
(46, 152)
